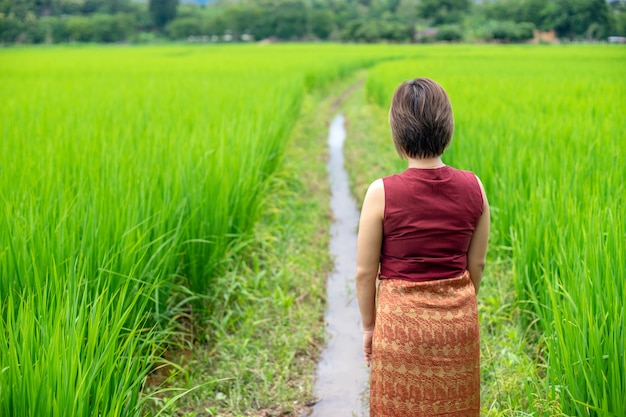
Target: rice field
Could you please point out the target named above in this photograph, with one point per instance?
(132, 177)
(129, 179)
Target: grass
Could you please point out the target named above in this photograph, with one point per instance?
(105, 356)
(265, 361)
(145, 171)
(103, 190)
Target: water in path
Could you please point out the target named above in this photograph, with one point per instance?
(342, 376)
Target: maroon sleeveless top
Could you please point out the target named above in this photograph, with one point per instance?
(430, 217)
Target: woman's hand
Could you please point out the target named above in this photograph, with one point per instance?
(367, 346)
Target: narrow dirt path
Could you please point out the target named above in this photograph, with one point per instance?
(342, 377)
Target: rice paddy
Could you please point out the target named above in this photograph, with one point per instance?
(132, 179)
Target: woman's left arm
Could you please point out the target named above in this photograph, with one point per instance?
(369, 244)
(477, 252)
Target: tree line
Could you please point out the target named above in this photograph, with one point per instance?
(57, 21)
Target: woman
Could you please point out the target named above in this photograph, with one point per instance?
(424, 234)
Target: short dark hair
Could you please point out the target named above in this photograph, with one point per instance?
(421, 119)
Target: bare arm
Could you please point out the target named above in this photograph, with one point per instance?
(477, 253)
(369, 243)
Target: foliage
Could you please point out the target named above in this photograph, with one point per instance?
(322, 22)
(69, 349)
(509, 31)
(10, 29)
(444, 12)
(449, 33)
(183, 27)
(269, 363)
(618, 20)
(577, 18)
(79, 29)
(570, 18)
(162, 11)
(133, 181)
(291, 19)
(374, 30)
(111, 28)
(348, 20)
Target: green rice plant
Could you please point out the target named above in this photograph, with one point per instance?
(126, 173)
(67, 351)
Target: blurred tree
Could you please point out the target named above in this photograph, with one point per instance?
(111, 28)
(578, 18)
(360, 20)
(617, 24)
(90, 6)
(103, 27)
(406, 13)
(265, 26)
(570, 18)
(374, 30)
(19, 8)
(34, 31)
(361, 30)
(449, 33)
(502, 10)
(44, 7)
(162, 11)
(393, 5)
(183, 27)
(112, 6)
(245, 18)
(79, 29)
(214, 25)
(509, 31)
(54, 28)
(10, 28)
(392, 30)
(532, 11)
(291, 19)
(322, 22)
(346, 12)
(378, 7)
(67, 8)
(444, 11)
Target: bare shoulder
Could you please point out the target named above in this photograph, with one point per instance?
(377, 187)
(375, 198)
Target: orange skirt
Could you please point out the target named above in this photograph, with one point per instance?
(426, 349)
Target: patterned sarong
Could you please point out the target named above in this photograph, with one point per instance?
(426, 349)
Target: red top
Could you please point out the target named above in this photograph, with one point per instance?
(430, 217)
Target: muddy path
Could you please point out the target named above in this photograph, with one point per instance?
(341, 385)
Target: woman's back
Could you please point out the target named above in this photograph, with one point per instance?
(429, 219)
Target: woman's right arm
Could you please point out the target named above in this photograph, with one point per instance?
(369, 243)
(477, 253)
